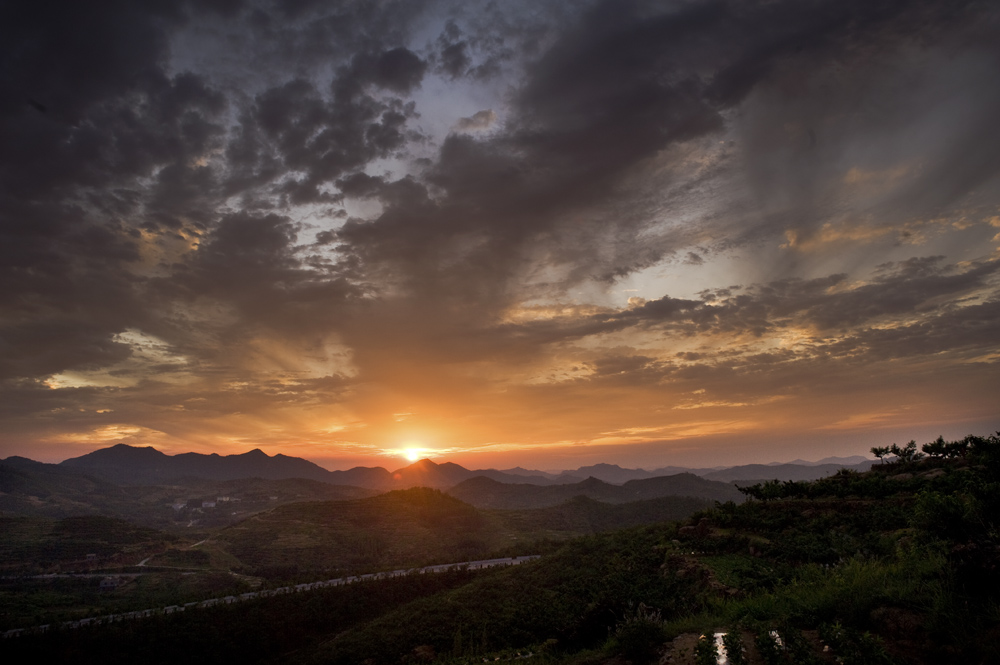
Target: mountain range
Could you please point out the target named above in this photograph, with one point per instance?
(123, 464)
(128, 464)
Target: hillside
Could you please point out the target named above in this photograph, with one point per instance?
(403, 527)
(582, 515)
(129, 464)
(407, 528)
(43, 545)
(486, 493)
(299, 541)
(796, 470)
(895, 566)
(754, 473)
(34, 489)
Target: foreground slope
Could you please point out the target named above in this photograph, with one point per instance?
(897, 565)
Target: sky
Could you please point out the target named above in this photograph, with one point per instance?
(545, 233)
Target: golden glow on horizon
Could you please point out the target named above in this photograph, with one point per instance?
(413, 454)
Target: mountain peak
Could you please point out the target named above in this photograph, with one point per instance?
(119, 451)
(420, 466)
(255, 453)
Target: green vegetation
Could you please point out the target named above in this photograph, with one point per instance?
(898, 565)
(706, 653)
(287, 544)
(574, 596)
(38, 601)
(420, 526)
(262, 631)
(34, 545)
(733, 642)
(639, 635)
(396, 529)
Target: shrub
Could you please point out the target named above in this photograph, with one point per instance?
(639, 635)
(853, 647)
(734, 648)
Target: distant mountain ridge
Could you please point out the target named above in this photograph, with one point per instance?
(129, 464)
(483, 492)
(146, 465)
(753, 473)
(29, 488)
(134, 465)
(797, 470)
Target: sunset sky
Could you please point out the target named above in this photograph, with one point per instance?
(539, 233)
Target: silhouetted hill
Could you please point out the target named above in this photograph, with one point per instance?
(528, 475)
(404, 528)
(29, 488)
(143, 466)
(398, 528)
(252, 464)
(487, 493)
(34, 488)
(797, 470)
(362, 476)
(761, 472)
(33, 545)
(841, 461)
(583, 515)
(128, 464)
(426, 473)
(611, 473)
(681, 484)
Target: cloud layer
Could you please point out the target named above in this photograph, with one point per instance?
(617, 230)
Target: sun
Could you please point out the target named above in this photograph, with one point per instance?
(412, 454)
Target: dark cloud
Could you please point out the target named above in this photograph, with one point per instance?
(47, 347)
(114, 153)
(69, 57)
(251, 194)
(454, 59)
(249, 265)
(615, 90)
(324, 138)
(360, 185)
(399, 70)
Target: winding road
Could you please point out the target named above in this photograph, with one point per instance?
(267, 593)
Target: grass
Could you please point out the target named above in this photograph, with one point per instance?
(848, 592)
